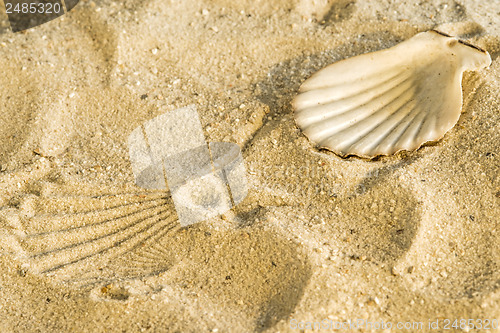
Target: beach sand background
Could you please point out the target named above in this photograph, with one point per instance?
(408, 238)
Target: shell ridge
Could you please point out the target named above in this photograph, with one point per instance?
(168, 227)
(368, 113)
(424, 124)
(60, 254)
(360, 134)
(382, 108)
(92, 213)
(375, 142)
(317, 113)
(310, 98)
(398, 129)
(354, 80)
(76, 234)
(433, 127)
(408, 136)
(405, 110)
(105, 235)
(106, 248)
(377, 63)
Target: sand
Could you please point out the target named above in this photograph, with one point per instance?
(406, 239)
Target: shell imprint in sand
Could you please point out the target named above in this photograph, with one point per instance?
(84, 235)
(390, 100)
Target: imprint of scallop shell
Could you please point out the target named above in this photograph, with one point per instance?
(82, 234)
(395, 99)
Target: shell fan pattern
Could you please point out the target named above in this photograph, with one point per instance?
(395, 99)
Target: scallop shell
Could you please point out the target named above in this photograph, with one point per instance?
(390, 100)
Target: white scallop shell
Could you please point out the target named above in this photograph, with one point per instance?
(390, 100)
